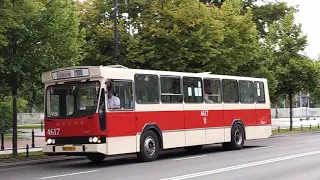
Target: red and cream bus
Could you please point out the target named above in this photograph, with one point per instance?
(157, 110)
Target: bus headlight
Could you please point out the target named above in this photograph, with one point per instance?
(51, 141)
(90, 139)
(95, 139)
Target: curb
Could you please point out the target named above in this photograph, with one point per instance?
(294, 134)
(29, 161)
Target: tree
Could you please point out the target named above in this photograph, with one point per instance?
(293, 71)
(97, 19)
(179, 36)
(42, 34)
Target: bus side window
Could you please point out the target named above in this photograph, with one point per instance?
(147, 88)
(171, 89)
(259, 92)
(123, 90)
(230, 91)
(192, 90)
(246, 89)
(212, 91)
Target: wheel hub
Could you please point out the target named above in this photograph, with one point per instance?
(149, 146)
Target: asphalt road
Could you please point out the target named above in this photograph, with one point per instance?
(293, 157)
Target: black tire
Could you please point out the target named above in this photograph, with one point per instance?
(96, 158)
(149, 147)
(237, 138)
(193, 149)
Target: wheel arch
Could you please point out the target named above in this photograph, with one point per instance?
(156, 129)
(240, 122)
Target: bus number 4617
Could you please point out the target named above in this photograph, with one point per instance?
(53, 132)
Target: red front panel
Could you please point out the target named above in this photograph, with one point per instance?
(84, 126)
(121, 124)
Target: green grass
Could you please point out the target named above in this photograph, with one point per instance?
(295, 130)
(23, 155)
(30, 126)
(8, 136)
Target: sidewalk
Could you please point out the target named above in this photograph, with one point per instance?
(285, 122)
(21, 150)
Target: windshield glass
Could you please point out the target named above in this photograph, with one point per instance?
(72, 100)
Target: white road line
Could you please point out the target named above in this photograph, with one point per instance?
(267, 147)
(192, 157)
(63, 175)
(313, 141)
(231, 168)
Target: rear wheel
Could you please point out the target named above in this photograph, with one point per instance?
(237, 138)
(193, 149)
(96, 158)
(149, 147)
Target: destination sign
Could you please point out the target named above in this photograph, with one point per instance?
(73, 73)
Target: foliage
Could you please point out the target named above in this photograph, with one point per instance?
(6, 112)
(41, 35)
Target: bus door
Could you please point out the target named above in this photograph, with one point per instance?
(120, 105)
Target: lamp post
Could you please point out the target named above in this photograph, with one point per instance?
(115, 9)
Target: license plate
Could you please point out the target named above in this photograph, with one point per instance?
(69, 148)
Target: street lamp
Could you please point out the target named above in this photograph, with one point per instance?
(115, 3)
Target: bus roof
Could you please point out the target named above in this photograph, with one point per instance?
(88, 72)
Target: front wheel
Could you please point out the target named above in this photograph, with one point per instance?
(149, 147)
(96, 158)
(237, 138)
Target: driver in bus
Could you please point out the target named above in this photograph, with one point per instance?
(113, 101)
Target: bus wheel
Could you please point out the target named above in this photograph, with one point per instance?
(149, 147)
(237, 138)
(193, 149)
(96, 158)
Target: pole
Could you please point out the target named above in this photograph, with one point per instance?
(32, 137)
(116, 41)
(2, 141)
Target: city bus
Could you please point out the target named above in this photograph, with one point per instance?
(100, 111)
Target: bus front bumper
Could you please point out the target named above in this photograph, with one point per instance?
(75, 149)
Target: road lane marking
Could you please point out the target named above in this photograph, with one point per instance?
(192, 157)
(71, 174)
(231, 168)
(267, 147)
(313, 141)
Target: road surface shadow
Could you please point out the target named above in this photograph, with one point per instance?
(164, 155)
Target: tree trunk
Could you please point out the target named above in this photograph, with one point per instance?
(290, 103)
(14, 122)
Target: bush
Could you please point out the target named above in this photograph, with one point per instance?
(6, 115)
(6, 112)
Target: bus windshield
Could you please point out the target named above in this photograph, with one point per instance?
(72, 100)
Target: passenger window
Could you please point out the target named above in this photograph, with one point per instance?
(230, 91)
(192, 90)
(212, 91)
(171, 90)
(147, 88)
(259, 92)
(120, 95)
(246, 92)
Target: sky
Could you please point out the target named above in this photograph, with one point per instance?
(308, 9)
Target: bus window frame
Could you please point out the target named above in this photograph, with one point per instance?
(181, 88)
(159, 89)
(202, 90)
(133, 94)
(220, 88)
(264, 92)
(223, 100)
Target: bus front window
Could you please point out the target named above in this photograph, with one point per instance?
(72, 100)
